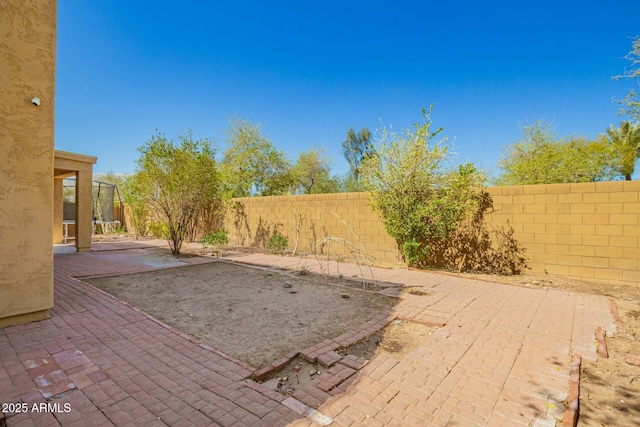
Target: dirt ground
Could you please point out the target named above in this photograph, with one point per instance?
(397, 340)
(610, 388)
(252, 314)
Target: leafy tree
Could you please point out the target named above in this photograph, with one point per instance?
(357, 148)
(178, 180)
(350, 184)
(251, 164)
(421, 201)
(541, 158)
(626, 143)
(111, 178)
(312, 173)
(631, 102)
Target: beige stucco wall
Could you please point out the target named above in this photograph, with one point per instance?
(81, 166)
(589, 231)
(27, 64)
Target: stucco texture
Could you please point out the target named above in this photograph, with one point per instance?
(27, 61)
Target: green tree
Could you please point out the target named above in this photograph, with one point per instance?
(178, 180)
(251, 164)
(541, 158)
(421, 201)
(631, 102)
(350, 184)
(357, 148)
(312, 173)
(626, 143)
(111, 177)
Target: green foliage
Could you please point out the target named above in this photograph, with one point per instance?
(541, 158)
(350, 184)
(178, 180)
(277, 243)
(631, 102)
(69, 190)
(312, 173)
(421, 201)
(214, 239)
(625, 141)
(159, 230)
(111, 178)
(136, 206)
(251, 165)
(357, 148)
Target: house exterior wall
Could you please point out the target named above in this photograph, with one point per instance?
(81, 166)
(588, 231)
(27, 61)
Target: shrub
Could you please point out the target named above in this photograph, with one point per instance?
(277, 243)
(159, 230)
(214, 239)
(422, 202)
(178, 180)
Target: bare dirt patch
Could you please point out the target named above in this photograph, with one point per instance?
(610, 388)
(252, 314)
(396, 340)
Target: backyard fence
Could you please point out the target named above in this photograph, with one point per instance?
(588, 230)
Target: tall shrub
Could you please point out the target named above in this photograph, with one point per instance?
(421, 200)
(178, 180)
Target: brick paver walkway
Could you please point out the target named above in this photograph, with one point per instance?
(501, 358)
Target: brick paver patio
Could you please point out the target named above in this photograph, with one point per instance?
(502, 358)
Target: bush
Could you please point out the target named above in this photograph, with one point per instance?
(178, 181)
(277, 243)
(159, 230)
(214, 239)
(422, 202)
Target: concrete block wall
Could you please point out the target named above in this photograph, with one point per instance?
(588, 231)
(342, 223)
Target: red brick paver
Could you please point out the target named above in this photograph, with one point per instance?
(502, 357)
(114, 365)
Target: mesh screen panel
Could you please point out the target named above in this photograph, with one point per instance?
(103, 195)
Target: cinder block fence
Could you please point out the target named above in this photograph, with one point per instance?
(589, 231)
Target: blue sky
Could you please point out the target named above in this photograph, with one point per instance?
(309, 70)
